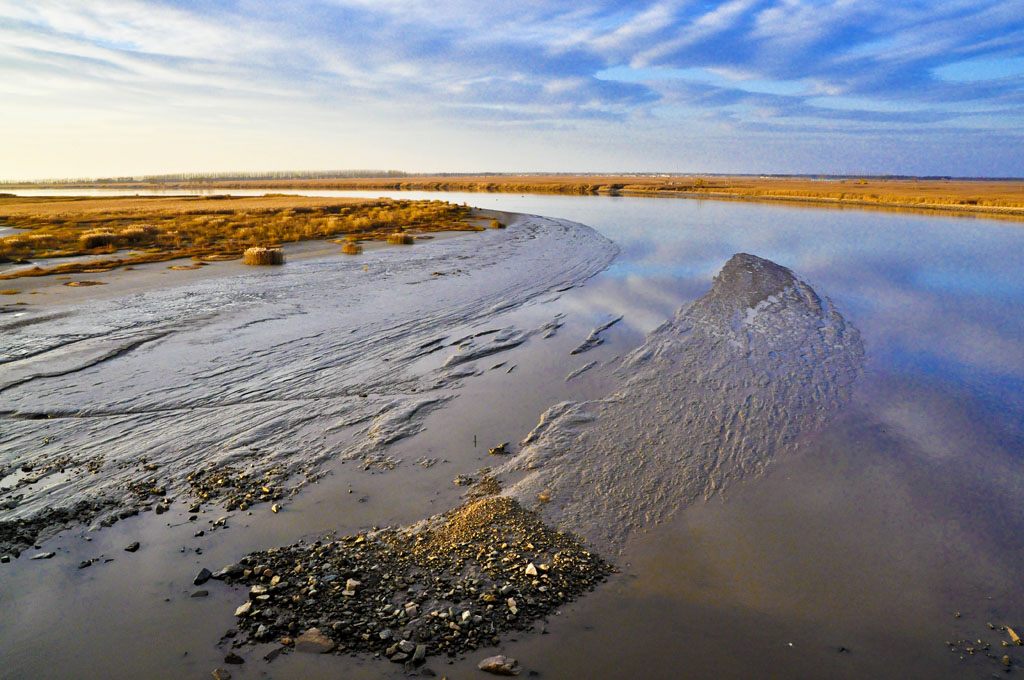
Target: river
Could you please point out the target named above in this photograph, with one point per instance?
(891, 531)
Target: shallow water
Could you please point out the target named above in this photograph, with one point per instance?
(902, 511)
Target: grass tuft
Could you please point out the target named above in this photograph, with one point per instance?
(351, 248)
(97, 239)
(400, 239)
(263, 256)
(495, 224)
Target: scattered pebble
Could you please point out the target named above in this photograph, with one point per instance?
(499, 665)
(314, 642)
(453, 585)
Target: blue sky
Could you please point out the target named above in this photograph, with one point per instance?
(99, 87)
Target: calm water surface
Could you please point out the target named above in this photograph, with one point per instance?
(849, 559)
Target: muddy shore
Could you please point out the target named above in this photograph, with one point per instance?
(492, 348)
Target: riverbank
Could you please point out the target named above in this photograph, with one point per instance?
(76, 234)
(988, 198)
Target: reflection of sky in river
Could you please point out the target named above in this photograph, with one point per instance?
(937, 296)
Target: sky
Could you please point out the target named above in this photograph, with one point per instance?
(92, 88)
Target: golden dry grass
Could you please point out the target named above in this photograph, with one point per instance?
(351, 248)
(263, 256)
(495, 224)
(136, 230)
(400, 239)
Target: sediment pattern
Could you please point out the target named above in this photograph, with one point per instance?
(711, 397)
(120, 401)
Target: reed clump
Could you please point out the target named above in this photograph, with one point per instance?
(495, 224)
(400, 239)
(351, 248)
(97, 239)
(263, 256)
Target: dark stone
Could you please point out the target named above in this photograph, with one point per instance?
(132, 547)
(202, 577)
(233, 659)
(230, 571)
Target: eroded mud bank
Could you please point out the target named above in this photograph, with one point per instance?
(709, 398)
(112, 405)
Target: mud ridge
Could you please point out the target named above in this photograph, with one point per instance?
(711, 397)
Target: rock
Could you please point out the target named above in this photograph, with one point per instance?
(43, 556)
(200, 533)
(531, 570)
(132, 547)
(411, 609)
(5, 559)
(160, 509)
(84, 563)
(1013, 635)
(419, 655)
(499, 450)
(275, 508)
(406, 646)
(200, 593)
(233, 658)
(244, 609)
(221, 674)
(314, 642)
(202, 577)
(499, 665)
(1006, 660)
(230, 571)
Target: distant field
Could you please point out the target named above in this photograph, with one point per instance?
(989, 197)
(135, 230)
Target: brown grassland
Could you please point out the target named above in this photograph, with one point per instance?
(135, 230)
(1003, 198)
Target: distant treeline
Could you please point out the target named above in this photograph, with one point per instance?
(279, 175)
(218, 177)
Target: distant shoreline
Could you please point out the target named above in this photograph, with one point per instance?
(982, 198)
